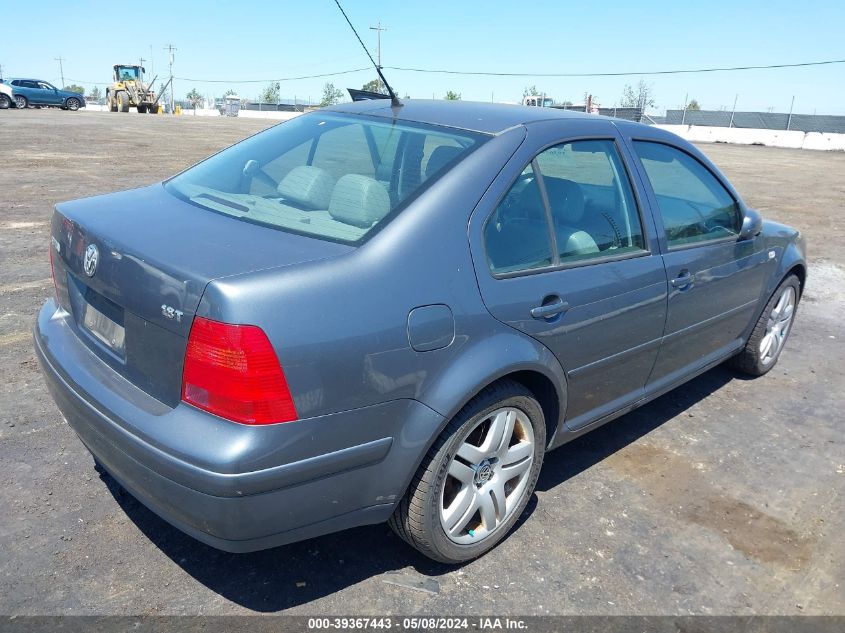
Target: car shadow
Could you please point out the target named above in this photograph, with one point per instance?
(277, 579)
(594, 446)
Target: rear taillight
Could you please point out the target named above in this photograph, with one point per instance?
(232, 371)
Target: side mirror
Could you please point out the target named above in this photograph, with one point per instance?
(752, 225)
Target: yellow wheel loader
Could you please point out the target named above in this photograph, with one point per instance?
(129, 90)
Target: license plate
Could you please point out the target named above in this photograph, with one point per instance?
(104, 329)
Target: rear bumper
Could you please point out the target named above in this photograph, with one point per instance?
(235, 487)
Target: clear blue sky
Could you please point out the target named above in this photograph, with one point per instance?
(231, 40)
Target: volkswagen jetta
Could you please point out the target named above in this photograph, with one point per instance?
(391, 313)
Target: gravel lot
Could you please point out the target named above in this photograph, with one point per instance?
(724, 497)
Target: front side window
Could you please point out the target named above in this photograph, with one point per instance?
(694, 205)
(330, 176)
(594, 212)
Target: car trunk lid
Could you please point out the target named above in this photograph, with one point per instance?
(131, 268)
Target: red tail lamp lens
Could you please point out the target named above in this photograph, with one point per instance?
(232, 371)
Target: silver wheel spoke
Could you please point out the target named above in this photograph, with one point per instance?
(500, 431)
(776, 342)
(515, 470)
(499, 499)
(517, 453)
(488, 511)
(787, 313)
(461, 472)
(460, 511)
(766, 345)
(470, 453)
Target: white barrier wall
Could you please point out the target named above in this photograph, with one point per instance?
(771, 138)
(267, 114)
(244, 114)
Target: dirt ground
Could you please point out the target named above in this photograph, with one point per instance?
(723, 497)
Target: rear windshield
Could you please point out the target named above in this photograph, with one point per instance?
(325, 175)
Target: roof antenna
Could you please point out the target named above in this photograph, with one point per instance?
(394, 100)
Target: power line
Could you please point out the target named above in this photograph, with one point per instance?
(245, 81)
(260, 81)
(459, 72)
(615, 74)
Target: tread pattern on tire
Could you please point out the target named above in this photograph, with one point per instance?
(407, 520)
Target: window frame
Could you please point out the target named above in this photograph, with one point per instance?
(659, 214)
(556, 264)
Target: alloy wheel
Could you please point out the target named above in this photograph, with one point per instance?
(487, 476)
(777, 327)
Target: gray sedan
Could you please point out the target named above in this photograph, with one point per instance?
(391, 313)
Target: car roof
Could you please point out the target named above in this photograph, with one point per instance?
(27, 79)
(490, 118)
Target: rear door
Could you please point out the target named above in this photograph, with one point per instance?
(564, 254)
(28, 89)
(715, 281)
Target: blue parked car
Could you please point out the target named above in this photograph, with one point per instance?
(35, 92)
(391, 313)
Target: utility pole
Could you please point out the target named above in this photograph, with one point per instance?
(378, 29)
(141, 61)
(170, 50)
(733, 111)
(791, 105)
(152, 63)
(60, 59)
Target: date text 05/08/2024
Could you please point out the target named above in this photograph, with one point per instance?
(417, 623)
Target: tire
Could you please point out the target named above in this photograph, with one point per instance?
(763, 348)
(72, 104)
(122, 101)
(473, 480)
(20, 102)
(5, 101)
(112, 102)
(142, 109)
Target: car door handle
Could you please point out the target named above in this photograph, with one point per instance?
(551, 306)
(684, 279)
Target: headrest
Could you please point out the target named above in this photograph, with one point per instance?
(359, 200)
(439, 157)
(566, 199)
(308, 186)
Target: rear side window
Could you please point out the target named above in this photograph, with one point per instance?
(593, 207)
(694, 205)
(332, 176)
(516, 235)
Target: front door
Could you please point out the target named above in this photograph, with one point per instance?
(49, 94)
(715, 281)
(565, 257)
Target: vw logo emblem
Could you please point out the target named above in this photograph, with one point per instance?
(484, 473)
(91, 259)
